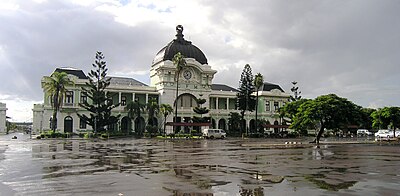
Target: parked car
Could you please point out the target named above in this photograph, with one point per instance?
(364, 132)
(384, 133)
(213, 133)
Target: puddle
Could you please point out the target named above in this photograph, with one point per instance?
(194, 167)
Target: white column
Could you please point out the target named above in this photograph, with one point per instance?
(227, 103)
(133, 96)
(147, 98)
(216, 102)
(119, 97)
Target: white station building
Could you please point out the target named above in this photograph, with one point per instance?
(195, 81)
(3, 118)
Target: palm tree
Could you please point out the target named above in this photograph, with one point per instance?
(165, 110)
(55, 87)
(135, 109)
(180, 62)
(258, 82)
(152, 108)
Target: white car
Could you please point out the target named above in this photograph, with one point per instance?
(214, 133)
(363, 132)
(384, 133)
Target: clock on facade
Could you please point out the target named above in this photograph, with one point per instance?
(187, 74)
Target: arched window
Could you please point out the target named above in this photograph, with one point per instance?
(68, 124)
(222, 124)
(187, 101)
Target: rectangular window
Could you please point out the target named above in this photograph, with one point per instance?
(83, 98)
(267, 106)
(69, 97)
(276, 105)
(82, 124)
(213, 103)
(123, 100)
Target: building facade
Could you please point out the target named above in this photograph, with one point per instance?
(3, 118)
(195, 81)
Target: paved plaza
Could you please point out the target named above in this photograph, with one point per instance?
(198, 167)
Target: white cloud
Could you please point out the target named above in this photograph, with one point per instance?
(345, 47)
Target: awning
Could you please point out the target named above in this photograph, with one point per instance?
(275, 126)
(184, 124)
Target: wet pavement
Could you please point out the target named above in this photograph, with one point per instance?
(195, 167)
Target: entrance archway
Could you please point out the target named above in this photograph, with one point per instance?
(126, 124)
(252, 125)
(213, 123)
(139, 125)
(222, 124)
(187, 100)
(276, 130)
(68, 124)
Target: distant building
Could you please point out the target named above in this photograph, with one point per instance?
(3, 109)
(195, 81)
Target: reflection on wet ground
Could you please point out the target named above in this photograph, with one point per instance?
(195, 167)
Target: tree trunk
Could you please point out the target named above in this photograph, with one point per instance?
(176, 103)
(241, 122)
(320, 132)
(165, 123)
(257, 112)
(54, 121)
(55, 109)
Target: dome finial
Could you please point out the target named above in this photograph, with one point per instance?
(179, 30)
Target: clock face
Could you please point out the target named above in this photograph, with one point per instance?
(187, 74)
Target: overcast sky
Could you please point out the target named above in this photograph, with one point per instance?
(350, 48)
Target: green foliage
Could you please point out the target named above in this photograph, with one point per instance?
(55, 87)
(200, 111)
(152, 109)
(165, 110)
(180, 62)
(326, 111)
(289, 110)
(387, 117)
(246, 99)
(234, 123)
(53, 134)
(135, 109)
(10, 126)
(366, 118)
(152, 130)
(100, 110)
(296, 92)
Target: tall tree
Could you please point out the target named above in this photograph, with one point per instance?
(366, 119)
(258, 83)
(165, 110)
(296, 93)
(326, 112)
(246, 99)
(135, 110)
(200, 110)
(100, 109)
(234, 123)
(152, 110)
(289, 111)
(55, 86)
(387, 117)
(179, 62)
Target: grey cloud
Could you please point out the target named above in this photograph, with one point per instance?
(344, 47)
(40, 38)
